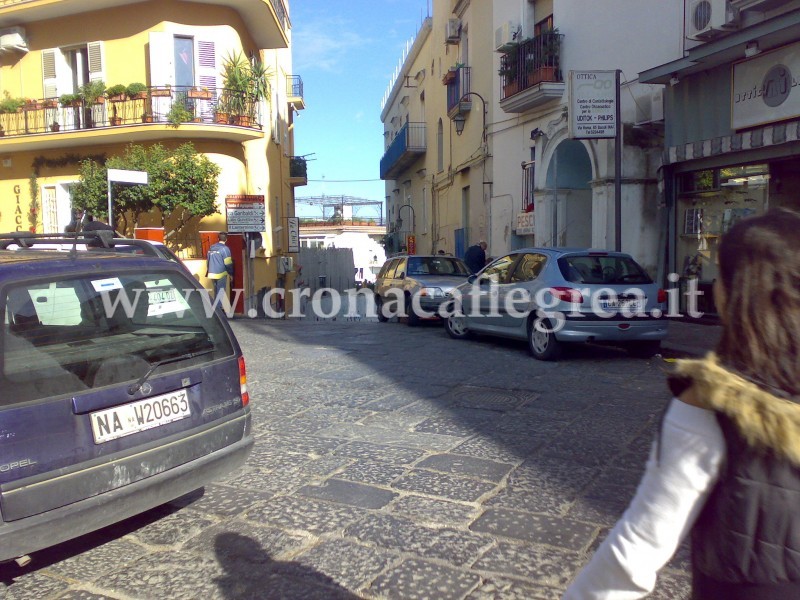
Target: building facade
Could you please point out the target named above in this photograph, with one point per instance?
(515, 177)
(732, 126)
(56, 69)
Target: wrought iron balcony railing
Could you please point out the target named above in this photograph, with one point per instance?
(165, 105)
(458, 84)
(530, 63)
(294, 84)
(405, 148)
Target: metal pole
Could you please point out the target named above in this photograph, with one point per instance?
(110, 210)
(554, 241)
(618, 174)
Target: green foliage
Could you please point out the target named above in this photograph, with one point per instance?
(9, 104)
(68, 99)
(181, 182)
(135, 88)
(178, 113)
(117, 90)
(91, 91)
(245, 83)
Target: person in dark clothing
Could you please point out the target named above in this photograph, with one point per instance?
(475, 257)
(220, 265)
(725, 467)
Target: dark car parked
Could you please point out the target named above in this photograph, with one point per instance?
(121, 388)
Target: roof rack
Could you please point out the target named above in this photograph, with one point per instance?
(95, 239)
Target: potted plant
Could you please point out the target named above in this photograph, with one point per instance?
(93, 92)
(10, 105)
(136, 91)
(50, 103)
(147, 116)
(55, 126)
(114, 119)
(70, 100)
(178, 113)
(509, 70)
(246, 84)
(200, 93)
(161, 91)
(117, 93)
(548, 65)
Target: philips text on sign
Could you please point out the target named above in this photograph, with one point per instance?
(593, 104)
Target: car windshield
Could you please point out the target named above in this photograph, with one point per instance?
(69, 335)
(437, 265)
(602, 269)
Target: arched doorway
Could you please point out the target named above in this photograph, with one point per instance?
(568, 175)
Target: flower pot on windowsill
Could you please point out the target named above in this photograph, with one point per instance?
(114, 121)
(449, 77)
(222, 118)
(200, 94)
(160, 93)
(147, 118)
(55, 127)
(50, 104)
(117, 98)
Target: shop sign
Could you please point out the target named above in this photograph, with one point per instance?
(245, 214)
(411, 244)
(525, 224)
(592, 104)
(293, 226)
(765, 88)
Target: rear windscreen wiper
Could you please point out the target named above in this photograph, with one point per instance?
(153, 366)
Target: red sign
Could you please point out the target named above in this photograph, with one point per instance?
(411, 244)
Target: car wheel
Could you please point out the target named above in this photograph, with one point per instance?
(412, 318)
(643, 349)
(543, 344)
(382, 318)
(456, 327)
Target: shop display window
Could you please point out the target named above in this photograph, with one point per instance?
(709, 203)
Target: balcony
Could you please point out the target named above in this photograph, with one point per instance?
(267, 20)
(530, 73)
(294, 86)
(406, 147)
(457, 81)
(190, 112)
(298, 171)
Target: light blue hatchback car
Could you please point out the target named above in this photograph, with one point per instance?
(555, 296)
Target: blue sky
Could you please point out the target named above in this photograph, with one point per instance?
(346, 53)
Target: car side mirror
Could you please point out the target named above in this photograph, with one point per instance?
(472, 278)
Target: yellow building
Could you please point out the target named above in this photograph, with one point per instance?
(49, 49)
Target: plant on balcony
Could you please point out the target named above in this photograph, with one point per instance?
(117, 93)
(70, 100)
(136, 91)
(93, 92)
(114, 119)
(178, 113)
(246, 83)
(55, 126)
(202, 93)
(10, 105)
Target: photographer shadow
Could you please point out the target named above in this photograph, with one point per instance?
(251, 573)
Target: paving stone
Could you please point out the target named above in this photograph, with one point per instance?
(430, 511)
(348, 564)
(505, 588)
(81, 594)
(671, 586)
(603, 506)
(304, 514)
(94, 559)
(386, 531)
(491, 398)
(372, 472)
(583, 450)
(32, 585)
(420, 580)
(509, 449)
(547, 567)
(466, 465)
(391, 402)
(223, 500)
(537, 529)
(240, 540)
(349, 492)
(367, 451)
(386, 435)
(443, 485)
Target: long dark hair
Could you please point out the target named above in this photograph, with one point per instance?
(759, 264)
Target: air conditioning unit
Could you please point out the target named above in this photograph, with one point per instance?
(13, 40)
(453, 32)
(708, 19)
(506, 36)
(650, 107)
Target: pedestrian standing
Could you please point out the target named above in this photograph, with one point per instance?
(725, 467)
(220, 265)
(475, 257)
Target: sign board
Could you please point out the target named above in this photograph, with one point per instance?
(764, 88)
(592, 104)
(293, 227)
(411, 244)
(131, 177)
(245, 214)
(524, 224)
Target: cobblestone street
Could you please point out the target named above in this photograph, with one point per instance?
(391, 462)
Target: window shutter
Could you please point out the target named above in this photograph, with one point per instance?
(162, 59)
(97, 61)
(49, 79)
(207, 76)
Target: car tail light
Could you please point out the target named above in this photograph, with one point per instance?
(566, 294)
(662, 296)
(243, 382)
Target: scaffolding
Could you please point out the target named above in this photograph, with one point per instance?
(338, 210)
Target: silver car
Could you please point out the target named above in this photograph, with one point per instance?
(554, 296)
(417, 286)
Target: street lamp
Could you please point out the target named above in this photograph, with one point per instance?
(460, 119)
(400, 219)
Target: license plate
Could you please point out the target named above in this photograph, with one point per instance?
(127, 419)
(633, 306)
(160, 296)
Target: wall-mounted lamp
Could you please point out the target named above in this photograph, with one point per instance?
(751, 49)
(536, 133)
(459, 121)
(674, 79)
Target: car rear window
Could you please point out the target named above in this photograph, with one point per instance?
(69, 335)
(602, 269)
(436, 265)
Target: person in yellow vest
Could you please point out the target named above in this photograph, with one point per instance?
(220, 264)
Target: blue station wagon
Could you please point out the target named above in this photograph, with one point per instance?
(121, 388)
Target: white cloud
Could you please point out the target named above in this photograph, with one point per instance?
(325, 45)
